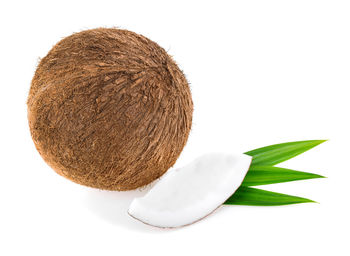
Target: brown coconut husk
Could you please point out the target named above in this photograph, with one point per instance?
(109, 109)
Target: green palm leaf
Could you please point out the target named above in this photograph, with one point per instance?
(263, 175)
(259, 197)
(278, 153)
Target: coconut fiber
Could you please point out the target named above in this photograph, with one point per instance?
(109, 109)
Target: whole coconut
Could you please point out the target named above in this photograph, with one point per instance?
(109, 109)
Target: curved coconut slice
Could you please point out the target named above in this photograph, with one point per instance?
(186, 195)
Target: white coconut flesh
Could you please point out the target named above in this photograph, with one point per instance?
(188, 194)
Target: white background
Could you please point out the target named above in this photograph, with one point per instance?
(261, 72)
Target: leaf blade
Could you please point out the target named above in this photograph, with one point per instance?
(264, 175)
(277, 153)
(259, 197)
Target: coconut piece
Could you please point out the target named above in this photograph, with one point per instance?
(109, 109)
(186, 195)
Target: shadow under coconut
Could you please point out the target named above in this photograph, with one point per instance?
(112, 206)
